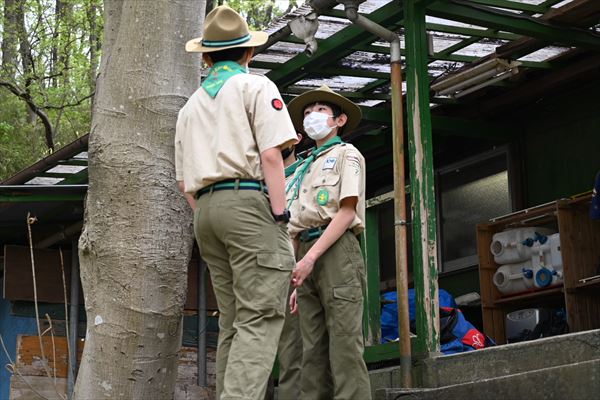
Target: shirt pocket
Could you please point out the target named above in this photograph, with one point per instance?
(325, 191)
(326, 179)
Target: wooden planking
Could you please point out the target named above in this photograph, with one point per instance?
(20, 390)
(187, 375)
(29, 357)
(18, 281)
(493, 318)
(29, 364)
(580, 247)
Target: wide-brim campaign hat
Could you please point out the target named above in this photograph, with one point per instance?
(224, 29)
(323, 94)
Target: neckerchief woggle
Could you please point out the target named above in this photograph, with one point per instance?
(290, 169)
(299, 177)
(219, 74)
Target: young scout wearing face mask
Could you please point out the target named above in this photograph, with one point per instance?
(228, 139)
(327, 202)
(289, 351)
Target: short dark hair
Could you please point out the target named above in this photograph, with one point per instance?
(335, 109)
(233, 54)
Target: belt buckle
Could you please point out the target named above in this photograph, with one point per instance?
(304, 236)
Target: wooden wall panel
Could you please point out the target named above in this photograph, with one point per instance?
(22, 390)
(18, 281)
(30, 365)
(191, 302)
(29, 357)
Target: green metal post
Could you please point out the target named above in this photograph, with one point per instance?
(421, 180)
(372, 306)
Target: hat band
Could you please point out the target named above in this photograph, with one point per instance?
(222, 43)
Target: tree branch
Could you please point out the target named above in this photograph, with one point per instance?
(78, 102)
(23, 95)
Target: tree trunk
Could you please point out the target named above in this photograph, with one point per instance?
(9, 39)
(137, 238)
(27, 60)
(94, 42)
(58, 16)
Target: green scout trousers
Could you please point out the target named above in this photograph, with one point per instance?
(250, 259)
(289, 353)
(330, 304)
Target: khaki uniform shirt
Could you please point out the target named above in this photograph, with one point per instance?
(222, 138)
(337, 173)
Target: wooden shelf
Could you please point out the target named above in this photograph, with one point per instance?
(531, 295)
(580, 251)
(588, 285)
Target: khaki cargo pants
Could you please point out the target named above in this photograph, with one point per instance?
(330, 304)
(250, 260)
(289, 353)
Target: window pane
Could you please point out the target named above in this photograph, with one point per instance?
(470, 195)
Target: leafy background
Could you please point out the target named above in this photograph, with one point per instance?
(50, 52)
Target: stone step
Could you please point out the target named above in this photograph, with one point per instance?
(580, 380)
(511, 359)
(495, 361)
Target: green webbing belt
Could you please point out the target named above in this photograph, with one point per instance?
(312, 233)
(299, 177)
(241, 185)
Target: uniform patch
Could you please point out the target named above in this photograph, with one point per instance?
(353, 162)
(353, 159)
(277, 104)
(322, 197)
(329, 163)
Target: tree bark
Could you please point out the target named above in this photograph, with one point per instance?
(136, 242)
(94, 42)
(27, 60)
(58, 16)
(9, 39)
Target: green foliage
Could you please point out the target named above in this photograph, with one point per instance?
(63, 49)
(55, 47)
(260, 13)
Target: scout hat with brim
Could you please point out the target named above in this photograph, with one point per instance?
(224, 29)
(323, 95)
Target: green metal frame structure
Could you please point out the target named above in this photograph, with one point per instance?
(520, 27)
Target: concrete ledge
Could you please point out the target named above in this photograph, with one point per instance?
(511, 359)
(575, 381)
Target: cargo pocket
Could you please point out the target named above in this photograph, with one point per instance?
(272, 279)
(347, 310)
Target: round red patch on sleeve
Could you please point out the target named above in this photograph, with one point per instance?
(277, 104)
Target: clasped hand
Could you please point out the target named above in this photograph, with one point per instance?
(303, 269)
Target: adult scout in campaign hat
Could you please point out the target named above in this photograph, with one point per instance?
(224, 29)
(228, 143)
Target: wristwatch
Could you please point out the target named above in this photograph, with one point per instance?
(283, 217)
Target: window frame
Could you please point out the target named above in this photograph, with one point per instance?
(511, 169)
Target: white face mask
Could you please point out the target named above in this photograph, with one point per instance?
(315, 125)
